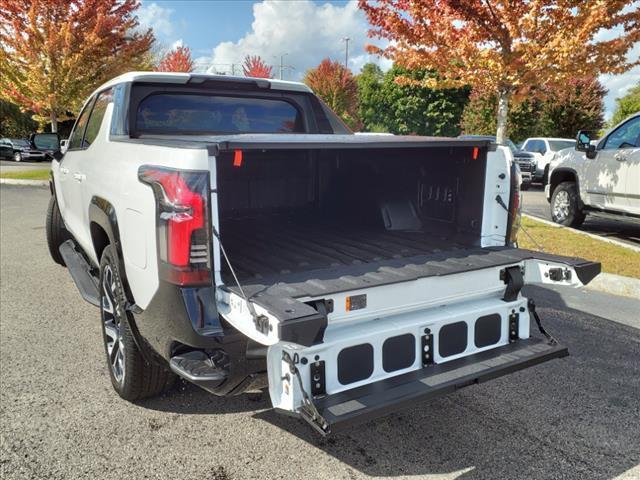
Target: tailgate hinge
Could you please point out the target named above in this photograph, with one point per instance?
(308, 410)
(514, 279)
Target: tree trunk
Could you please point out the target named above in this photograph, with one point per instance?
(503, 110)
(54, 123)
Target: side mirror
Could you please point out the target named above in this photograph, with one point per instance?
(46, 141)
(64, 144)
(583, 144)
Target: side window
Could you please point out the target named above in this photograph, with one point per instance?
(625, 136)
(543, 147)
(75, 140)
(95, 119)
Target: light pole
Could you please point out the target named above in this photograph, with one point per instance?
(282, 64)
(346, 51)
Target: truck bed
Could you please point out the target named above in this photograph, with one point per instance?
(260, 248)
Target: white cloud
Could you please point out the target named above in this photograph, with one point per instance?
(177, 44)
(618, 85)
(156, 17)
(307, 32)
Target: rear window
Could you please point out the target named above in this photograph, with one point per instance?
(212, 114)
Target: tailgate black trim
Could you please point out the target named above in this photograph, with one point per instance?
(381, 398)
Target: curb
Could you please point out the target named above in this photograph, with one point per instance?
(616, 285)
(25, 183)
(580, 232)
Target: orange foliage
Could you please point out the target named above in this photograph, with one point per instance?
(337, 86)
(178, 60)
(506, 46)
(255, 67)
(55, 52)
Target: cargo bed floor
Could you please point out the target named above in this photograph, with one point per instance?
(261, 248)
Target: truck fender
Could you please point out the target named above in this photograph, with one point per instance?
(103, 214)
(562, 172)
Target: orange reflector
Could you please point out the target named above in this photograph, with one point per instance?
(475, 153)
(237, 158)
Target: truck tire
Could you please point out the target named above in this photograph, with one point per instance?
(57, 234)
(132, 377)
(565, 205)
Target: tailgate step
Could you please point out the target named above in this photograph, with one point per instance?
(380, 398)
(80, 271)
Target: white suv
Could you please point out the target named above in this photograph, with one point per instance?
(544, 149)
(602, 176)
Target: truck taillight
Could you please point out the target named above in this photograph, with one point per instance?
(183, 223)
(515, 205)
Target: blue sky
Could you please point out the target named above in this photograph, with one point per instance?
(221, 32)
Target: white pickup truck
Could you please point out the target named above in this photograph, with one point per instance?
(235, 233)
(598, 177)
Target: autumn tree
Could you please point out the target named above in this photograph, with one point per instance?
(55, 52)
(505, 48)
(176, 60)
(255, 67)
(337, 86)
(408, 107)
(626, 105)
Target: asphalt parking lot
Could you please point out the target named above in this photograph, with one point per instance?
(535, 203)
(574, 418)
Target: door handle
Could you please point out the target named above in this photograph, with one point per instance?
(620, 156)
(64, 170)
(79, 176)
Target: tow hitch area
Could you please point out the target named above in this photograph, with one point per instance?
(332, 413)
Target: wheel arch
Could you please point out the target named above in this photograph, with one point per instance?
(103, 226)
(563, 174)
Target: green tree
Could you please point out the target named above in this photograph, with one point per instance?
(14, 123)
(626, 105)
(555, 113)
(397, 102)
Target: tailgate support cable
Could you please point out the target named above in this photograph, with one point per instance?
(532, 309)
(252, 311)
(308, 410)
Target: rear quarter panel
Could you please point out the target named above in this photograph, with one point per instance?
(112, 174)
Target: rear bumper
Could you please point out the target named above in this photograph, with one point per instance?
(380, 398)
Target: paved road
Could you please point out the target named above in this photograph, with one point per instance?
(535, 203)
(11, 166)
(575, 418)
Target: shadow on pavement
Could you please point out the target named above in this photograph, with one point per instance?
(576, 417)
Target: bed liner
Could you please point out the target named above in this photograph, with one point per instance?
(316, 283)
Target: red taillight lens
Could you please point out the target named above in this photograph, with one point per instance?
(182, 222)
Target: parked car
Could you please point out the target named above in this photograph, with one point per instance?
(234, 233)
(543, 150)
(524, 160)
(602, 178)
(20, 150)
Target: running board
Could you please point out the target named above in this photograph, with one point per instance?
(381, 398)
(80, 271)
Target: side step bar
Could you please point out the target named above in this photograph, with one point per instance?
(380, 398)
(203, 369)
(81, 273)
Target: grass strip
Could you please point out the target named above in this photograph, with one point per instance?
(563, 241)
(27, 175)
